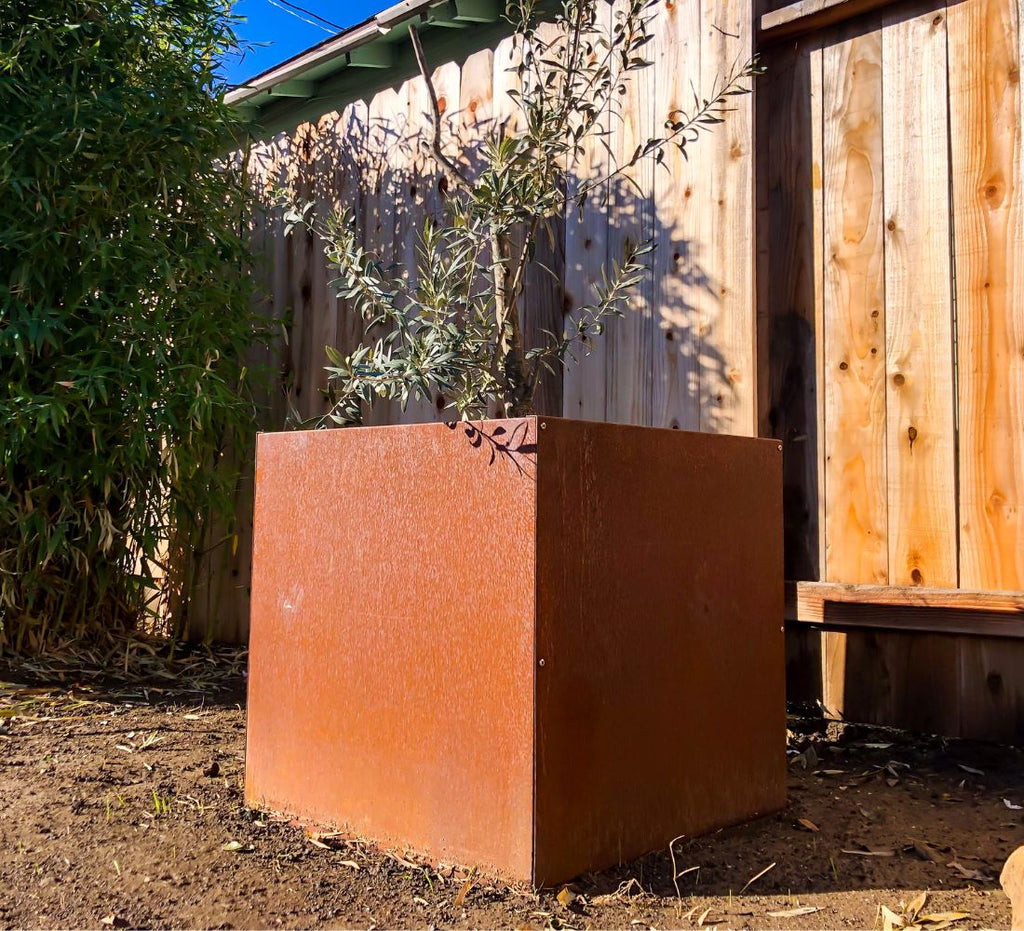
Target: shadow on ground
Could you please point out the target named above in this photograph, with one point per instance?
(121, 805)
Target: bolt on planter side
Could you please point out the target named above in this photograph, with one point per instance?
(540, 646)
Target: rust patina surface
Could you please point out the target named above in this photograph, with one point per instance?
(539, 646)
(391, 653)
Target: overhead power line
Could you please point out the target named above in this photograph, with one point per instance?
(289, 7)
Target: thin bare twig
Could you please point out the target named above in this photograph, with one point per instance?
(435, 109)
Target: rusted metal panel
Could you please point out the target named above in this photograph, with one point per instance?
(392, 643)
(537, 645)
(660, 702)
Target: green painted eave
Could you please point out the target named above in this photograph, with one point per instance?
(367, 58)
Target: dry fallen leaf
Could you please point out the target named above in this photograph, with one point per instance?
(976, 875)
(870, 853)
(566, 897)
(927, 852)
(808, 825)
(915, 907)
(943, 917)
(466, 886)
(890, 919)
(703, 917)
(753, 879)
(234, 846)
(795, 912)
(971, 769)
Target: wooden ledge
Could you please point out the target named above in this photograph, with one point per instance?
(810, 15)
(835, 606)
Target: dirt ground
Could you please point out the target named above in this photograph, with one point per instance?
(121, 806)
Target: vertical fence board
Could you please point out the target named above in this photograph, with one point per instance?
(728, 370)
(854, 337)
(350, 195)
(586, 251)
(988, 205)
(630, 337)
(920, 432)
(988, 217)
(543, 297)
(383, 145)
(476, 107)
(323, 303)
(680, 276)
(790, 308)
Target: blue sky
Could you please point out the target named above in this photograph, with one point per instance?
(276, 34)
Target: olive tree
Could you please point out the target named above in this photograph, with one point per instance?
(452, 324)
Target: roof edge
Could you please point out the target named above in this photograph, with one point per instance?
(255, 91)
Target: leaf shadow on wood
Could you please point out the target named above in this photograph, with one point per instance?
(373, 159)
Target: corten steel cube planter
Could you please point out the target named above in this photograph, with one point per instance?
(539, 646)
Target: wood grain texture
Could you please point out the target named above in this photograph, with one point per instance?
(805, 601)
(476, 107)
(985, 51)
(854, 327)
(681, 283)
(542, 306)
(988, 218)
(350, 195)
(920, 405)
(323, 302)
(383, 138)
(807, 16)
(728, 383)
(629, 339)
(790, 238)
(586, 252)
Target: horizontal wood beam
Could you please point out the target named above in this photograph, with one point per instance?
(810, 15)
(371, 55)
(834, 606)
(298, 89)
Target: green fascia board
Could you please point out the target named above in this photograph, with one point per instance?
(386, 61)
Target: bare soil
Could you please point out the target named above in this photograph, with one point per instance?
(121, 806)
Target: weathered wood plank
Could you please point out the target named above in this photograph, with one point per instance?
(790, 280)
(629, 339)
(476, 107)
(808, 16)
(920, 405)
(987, 150)
(991, 690)
(323, 302)
(350, 195)
(381, 191)
(728, 382)
(586, 251)
(681, 283)
(854, 310)
(805, 600)
(985, 57)
(905, 680)
(542, 308)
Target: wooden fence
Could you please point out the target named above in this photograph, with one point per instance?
(840, 265)
(684, 358)
(892, 220)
